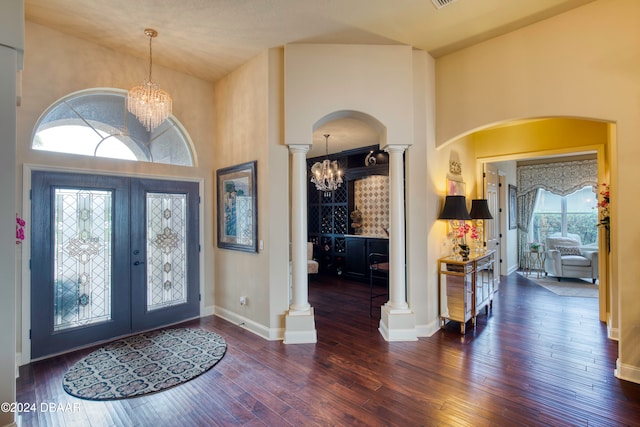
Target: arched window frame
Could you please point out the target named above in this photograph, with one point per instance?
(103, 111)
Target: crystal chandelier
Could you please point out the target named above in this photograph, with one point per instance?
(150, 104)
(326, 175)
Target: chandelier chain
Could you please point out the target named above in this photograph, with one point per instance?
(150, 104)
(150, 57)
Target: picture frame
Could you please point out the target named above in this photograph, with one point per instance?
(237, 197)
(513, 209)
(455, 188)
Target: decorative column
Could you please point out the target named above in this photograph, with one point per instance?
(397, 321)
(300, 325)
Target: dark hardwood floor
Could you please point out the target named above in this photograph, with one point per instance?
(538, 359)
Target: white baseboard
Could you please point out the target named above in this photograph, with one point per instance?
(627, 372)
(271, 334)
(428, 329)
(207, 311)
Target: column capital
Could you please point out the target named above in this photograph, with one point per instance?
(395, 148)
(299, 148)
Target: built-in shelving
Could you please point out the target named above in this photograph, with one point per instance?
(328, 220)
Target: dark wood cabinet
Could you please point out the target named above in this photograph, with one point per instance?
(328, 214)
(357, 255)
(328, 219)
(356, 252)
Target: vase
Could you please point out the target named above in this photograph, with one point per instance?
(463, 250)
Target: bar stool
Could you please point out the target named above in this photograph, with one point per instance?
(378, 268)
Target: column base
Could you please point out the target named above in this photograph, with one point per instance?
(397, 325)
(300, 328)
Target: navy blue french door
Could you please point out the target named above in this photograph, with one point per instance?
(110, 256)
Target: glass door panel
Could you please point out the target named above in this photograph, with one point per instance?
(166, 250)
(82, 257)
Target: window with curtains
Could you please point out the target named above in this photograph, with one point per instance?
(575, 214)
(559, 190)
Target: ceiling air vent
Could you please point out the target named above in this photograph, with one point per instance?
(439, 4)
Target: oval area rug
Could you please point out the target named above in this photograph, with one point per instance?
(144, 363)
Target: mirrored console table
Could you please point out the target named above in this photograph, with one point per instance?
(466, 287)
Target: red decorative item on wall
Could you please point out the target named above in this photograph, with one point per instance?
(20, 224)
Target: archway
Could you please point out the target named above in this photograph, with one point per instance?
(552, 137)
(396, 318)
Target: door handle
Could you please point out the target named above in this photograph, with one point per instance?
(138, 262)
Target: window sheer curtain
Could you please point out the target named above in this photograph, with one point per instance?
(562, 178)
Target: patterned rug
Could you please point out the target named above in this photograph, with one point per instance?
(567, 287)
(144, 363)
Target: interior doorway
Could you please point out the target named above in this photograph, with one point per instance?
(508, 175)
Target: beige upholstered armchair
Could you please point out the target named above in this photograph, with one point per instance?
(312, 264)
(566, 257)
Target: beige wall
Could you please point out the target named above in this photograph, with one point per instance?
(462, 151)
(583, 64)
(323, 79)
(56, 65)
(423, 192)
(249, 127)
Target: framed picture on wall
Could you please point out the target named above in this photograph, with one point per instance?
(455, 188)
(237, 197)
(513, 212)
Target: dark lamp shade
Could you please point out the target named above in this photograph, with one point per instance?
(480, 209)
(455, 207)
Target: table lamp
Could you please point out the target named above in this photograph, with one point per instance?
(455, 210)
(479, 212)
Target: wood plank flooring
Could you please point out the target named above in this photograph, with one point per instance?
(537, 360)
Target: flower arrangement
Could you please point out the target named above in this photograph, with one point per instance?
(20, 224)
(534, 246)
(461, 232)
(474, 233)
(605, 220)
(459, 235)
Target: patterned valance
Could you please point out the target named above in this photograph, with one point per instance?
(561, 178)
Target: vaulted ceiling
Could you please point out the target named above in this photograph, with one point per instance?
(210, 38)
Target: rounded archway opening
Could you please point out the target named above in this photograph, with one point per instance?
(348, 130)
(552, 140)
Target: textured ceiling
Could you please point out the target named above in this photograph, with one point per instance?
(210, 38)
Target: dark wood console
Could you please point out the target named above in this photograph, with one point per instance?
(358, 249)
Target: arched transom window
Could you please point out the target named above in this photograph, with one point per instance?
(97, 123)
